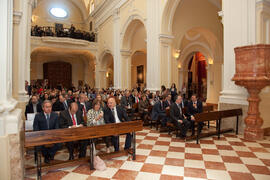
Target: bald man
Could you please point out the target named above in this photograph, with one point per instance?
(116, 114)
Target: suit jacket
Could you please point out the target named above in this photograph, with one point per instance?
(88, 106)
(29, 108)
(175, 114)
(143, 105)
(125, 101)
(192, 110)
(167, 103)
(65, 120)
(121, 113)
(58, 106)
(40, 122)
(157, 109)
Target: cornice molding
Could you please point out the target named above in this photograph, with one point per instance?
(17, 16)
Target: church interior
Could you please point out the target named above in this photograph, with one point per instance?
(135, 89)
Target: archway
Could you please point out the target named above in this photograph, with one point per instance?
(107, 70)
(134, 54)
(195, 33)
(82, 64)
(138, 69)
(197, 76)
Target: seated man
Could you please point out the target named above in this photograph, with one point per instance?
(168, 101)
(194, 107)
(116, 114)
(33, 106)
(178, 118)
(126, 103)
(47, 120)
(84, 105)
(159, 111)
(72, 118)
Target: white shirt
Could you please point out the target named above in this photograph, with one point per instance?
(117, 120)
(74, 118)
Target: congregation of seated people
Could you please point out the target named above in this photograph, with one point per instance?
(84, 106)
(71, 32)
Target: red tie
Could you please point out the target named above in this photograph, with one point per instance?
(137, 100)
(73, 120)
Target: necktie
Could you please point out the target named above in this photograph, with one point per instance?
(65, 105)
(113, 113)
(180, 109)
(48, 120)
(73, 119)
(137, 100)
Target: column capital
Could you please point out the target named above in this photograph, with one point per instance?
(125, 52)
(166, 38)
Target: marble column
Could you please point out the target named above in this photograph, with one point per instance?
(153, 77)
(22, 27)
(126, 74)
(166, 59)
(117, 54)
(11, 166)
(238, 19)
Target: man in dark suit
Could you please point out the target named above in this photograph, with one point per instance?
(126, 100)
(33, 106)
(61, 104)
(195, 106)
(159, 111)
(47, 120)
(168, 101)
(72, 118)
(178, 118)
(116, 114)
(84, 106)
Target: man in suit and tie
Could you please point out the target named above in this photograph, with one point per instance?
(60, 104)
(195, 106)
(178, 118)
(116, 114)
(159, 111)
(72, 118)
(33, 106)
(126, 101)
(47, 120)
(168, 101)
(84, 105)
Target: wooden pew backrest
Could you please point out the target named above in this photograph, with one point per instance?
(231, 113)
(207, 116)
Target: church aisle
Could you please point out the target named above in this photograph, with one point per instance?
(162, 156)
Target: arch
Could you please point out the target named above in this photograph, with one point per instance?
(77, 3)
(106, 69)
(129, 28)
(82, 59)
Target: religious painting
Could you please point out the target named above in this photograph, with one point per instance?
(140, 76)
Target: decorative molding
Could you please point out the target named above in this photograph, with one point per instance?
(166, 39)
(17, 16)
(125, 52)
(192, 38)
(63, 42)
(221, 14)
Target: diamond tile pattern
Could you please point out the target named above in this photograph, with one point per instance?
(163, 156)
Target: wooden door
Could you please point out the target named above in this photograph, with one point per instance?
(58, 73)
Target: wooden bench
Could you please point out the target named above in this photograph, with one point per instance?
(217, 116)
(40, 138)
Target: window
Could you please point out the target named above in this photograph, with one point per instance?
(58, 12)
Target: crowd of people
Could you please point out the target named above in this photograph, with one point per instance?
(71, 32)
(85, 106)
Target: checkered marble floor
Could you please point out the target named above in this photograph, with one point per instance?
(163, 156)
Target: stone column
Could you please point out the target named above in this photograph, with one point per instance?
(126, 64)
(239, 29)
(153, 77)
(22, 27)
(11, 166)
(166, 59)
(117, 55)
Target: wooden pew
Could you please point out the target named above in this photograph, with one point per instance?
(48, 137)
(218, 116)
(208, 108)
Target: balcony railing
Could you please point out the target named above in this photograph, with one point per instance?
(63, 32)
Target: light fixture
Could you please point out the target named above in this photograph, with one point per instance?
(58, 12)
(107, 74)
(177, 53)
(210, 61)
(179, 66)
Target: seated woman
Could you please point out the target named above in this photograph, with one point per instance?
(95, 118)
(143, 107)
